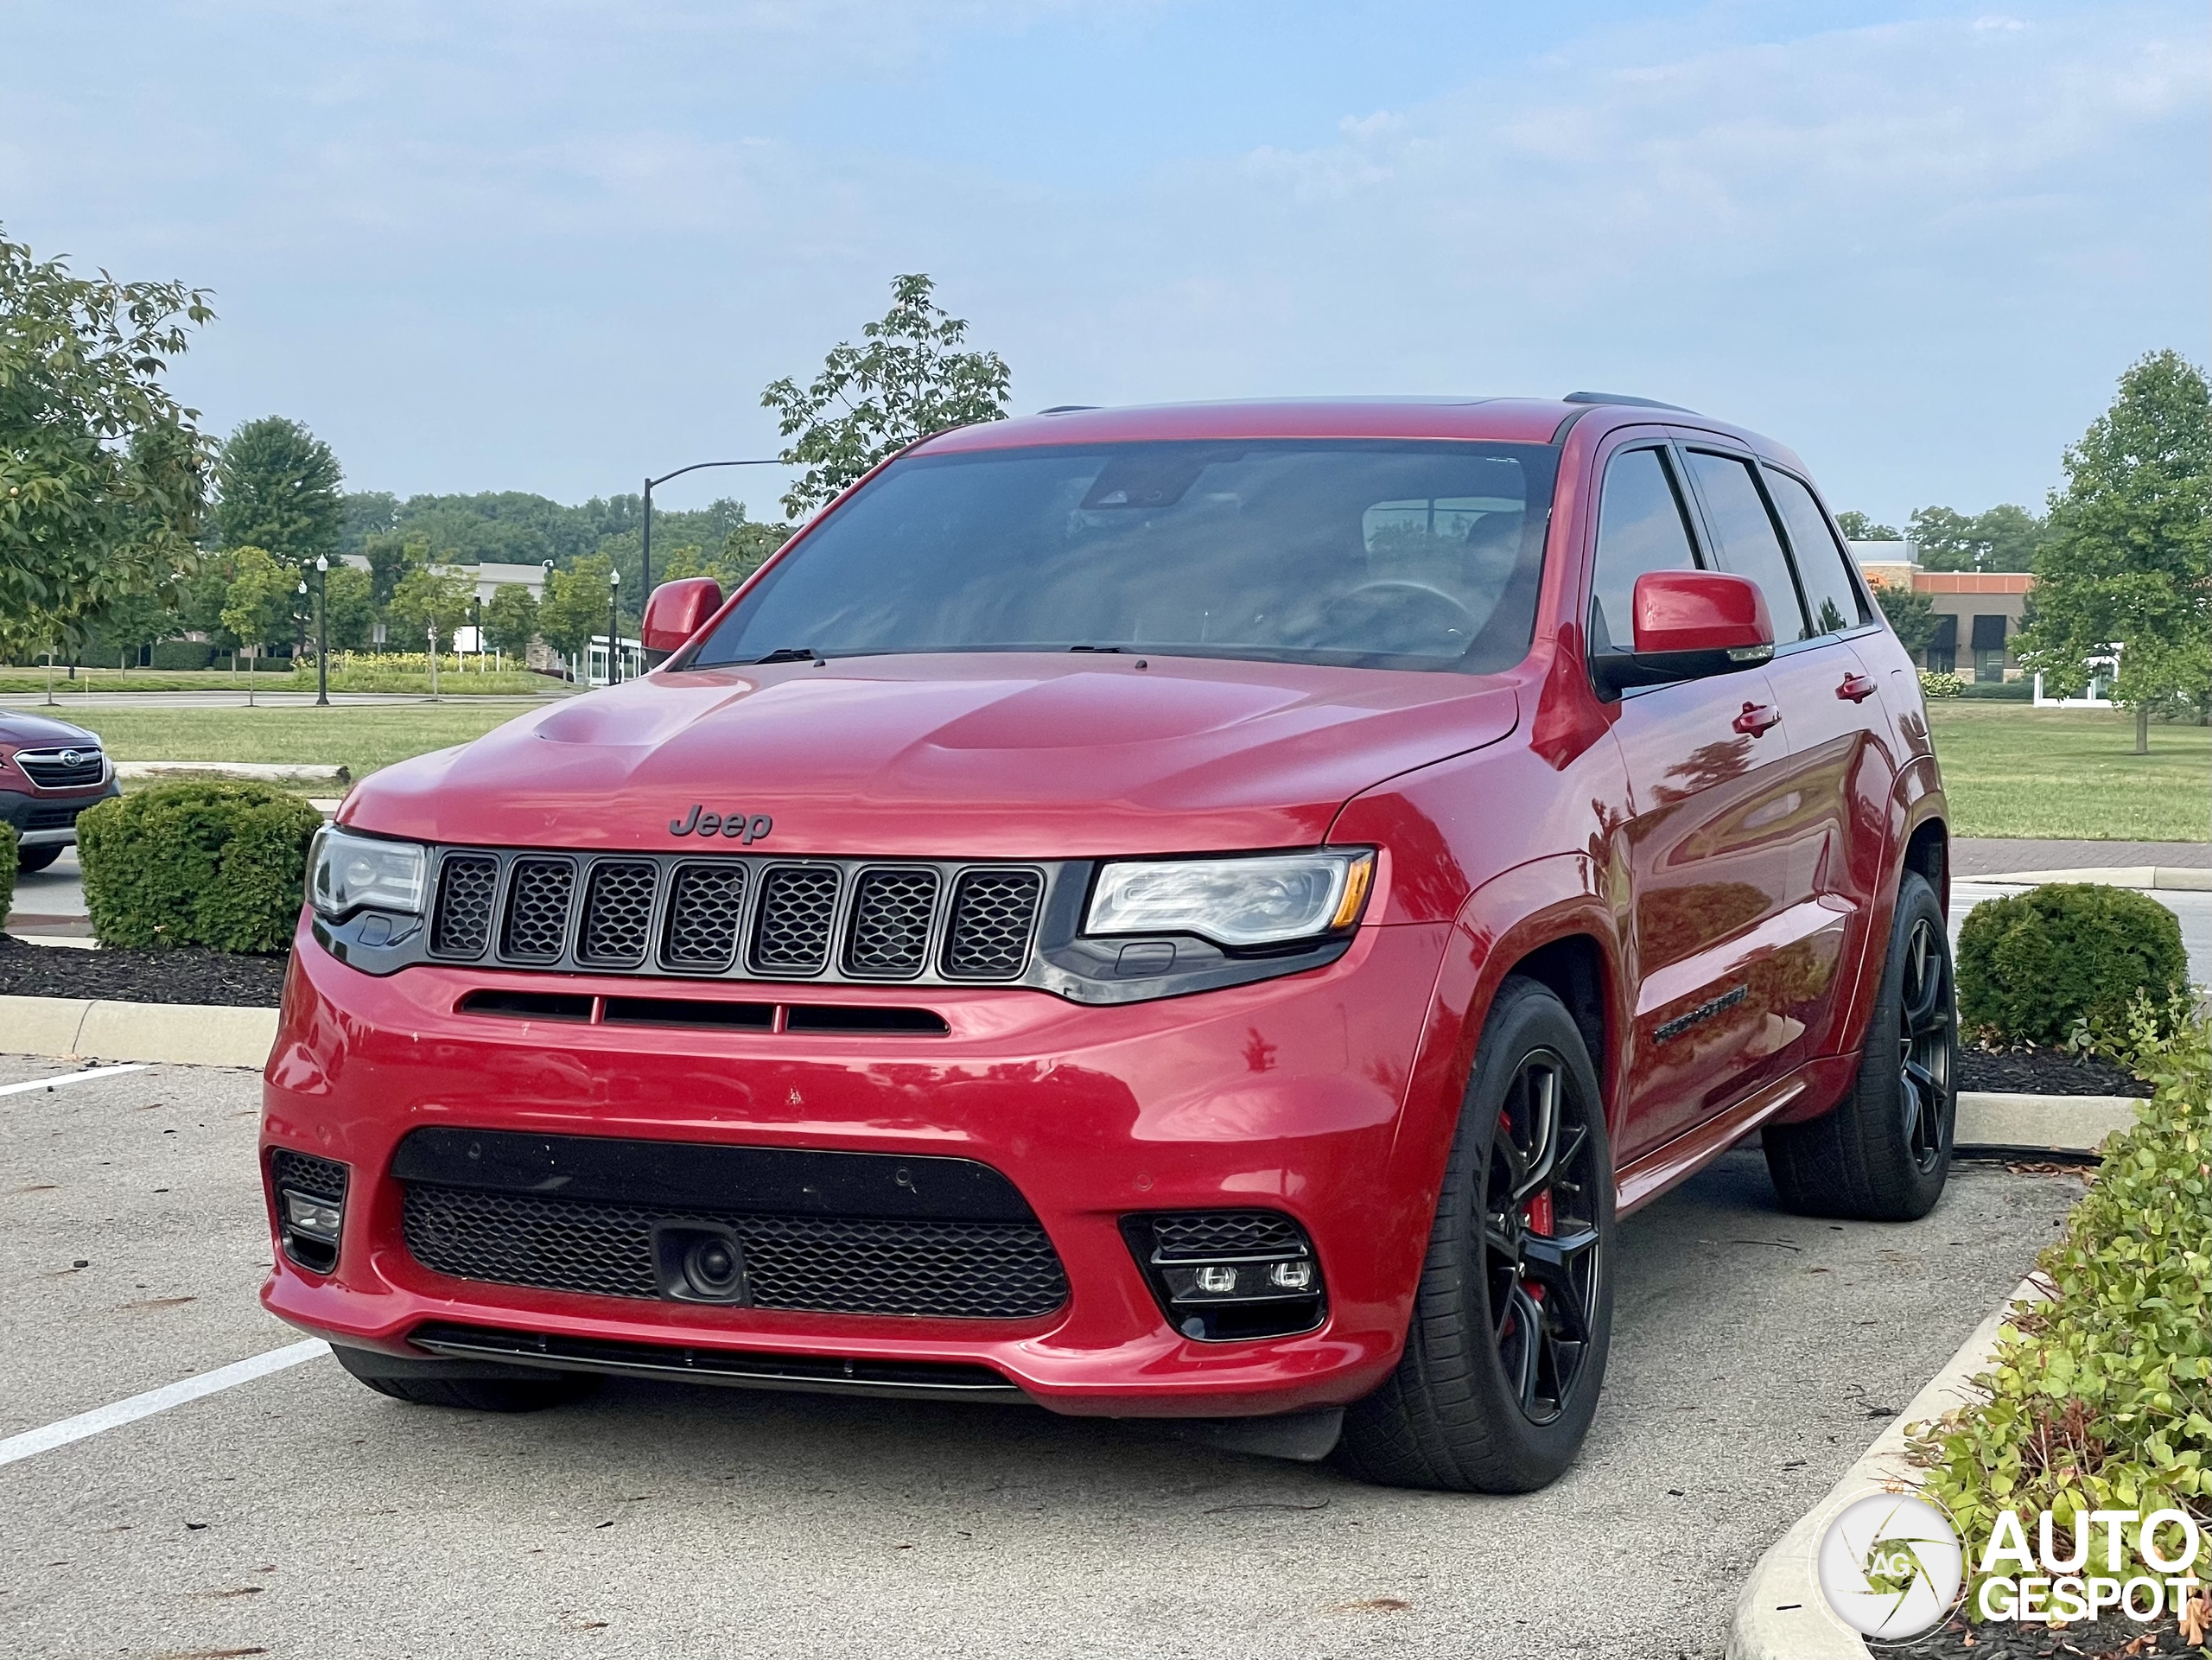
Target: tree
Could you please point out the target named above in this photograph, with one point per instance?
(575, 607)
(1857, 527)
(390, 557)
(1912, 616)
(259, 600)
(2004, 538)
(2129, 561)
(427, 599)
(277, 488)
(349, 609)
(743, 551)
(510, 621)
(102, 472)
(872, 401)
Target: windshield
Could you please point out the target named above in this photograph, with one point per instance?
(1385, 555)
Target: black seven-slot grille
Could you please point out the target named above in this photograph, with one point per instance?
(848, 1233)
(736, 917)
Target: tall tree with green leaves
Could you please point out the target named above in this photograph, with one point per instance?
(348, 610)
(277, 487)
(427, 599)
(908, 379)
(510, 621)
(2006, 538)
(1857, 527)
(2129, 561)
(103, 472)
(260, 601)
(575, 607)
(1912, 616)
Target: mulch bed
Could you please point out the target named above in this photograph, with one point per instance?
(2108, 1639)
(2044, 1071)
(190, 974)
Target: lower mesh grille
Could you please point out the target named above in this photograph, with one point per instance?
(1224, 1233)
(846, 1265)
(305, 1173)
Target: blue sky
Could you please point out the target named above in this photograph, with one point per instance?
(552, 246)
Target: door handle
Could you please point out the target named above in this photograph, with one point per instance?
(1757, 718)
(1857, 687)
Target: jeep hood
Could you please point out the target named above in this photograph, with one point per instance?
(998, 755)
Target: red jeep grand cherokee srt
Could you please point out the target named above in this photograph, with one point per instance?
(1206, 912)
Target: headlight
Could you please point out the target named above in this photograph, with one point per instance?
(1260, 900)
(345, 872)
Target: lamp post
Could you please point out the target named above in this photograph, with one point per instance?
(613, 626)
(322, 631)
(645, 539)
(303, 629)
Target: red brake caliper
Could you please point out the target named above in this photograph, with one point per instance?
(1539, 1214)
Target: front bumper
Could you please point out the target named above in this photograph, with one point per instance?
(1286, 1096)
(48, 817)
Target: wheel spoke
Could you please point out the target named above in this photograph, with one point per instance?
(1501, 1238)
(1530, 1319)
(1553, 1264)
(1543, 1125)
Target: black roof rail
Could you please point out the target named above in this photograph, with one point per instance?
(1623, 397)
(1070, 409)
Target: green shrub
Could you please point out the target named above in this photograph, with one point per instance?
(2003, 692)
(2033, 964)
(1934, 683)
(2101, 1397)
(202, 862)
(7, 868)
(181, 654)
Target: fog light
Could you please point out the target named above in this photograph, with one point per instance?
(318, 1218)
(1220, 1275)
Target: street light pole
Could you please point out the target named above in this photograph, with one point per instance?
(322, 631)
(613, 626)
(646, 540)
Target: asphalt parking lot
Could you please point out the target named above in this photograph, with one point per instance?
(299, 1515)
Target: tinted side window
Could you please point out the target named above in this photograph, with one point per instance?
(1737, 515)
(1640, 528)
(1829, 593)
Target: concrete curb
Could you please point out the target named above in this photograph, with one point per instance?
(2154, 878)
(190, 1034)
(1780, 1614)
(2055, 1123)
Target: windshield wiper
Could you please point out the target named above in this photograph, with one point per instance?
(792, 654)
(1116, 649)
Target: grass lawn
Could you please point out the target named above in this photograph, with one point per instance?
(360, 738)
(21, 682)
(2071, 774)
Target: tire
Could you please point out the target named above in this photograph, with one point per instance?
(1884, 1154)
(30, 859)
(1463, 1412)
(422, 1383)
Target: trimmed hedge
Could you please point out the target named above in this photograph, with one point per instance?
(1934, 683)
(2032, 964)
(181, 654)
(2101, 1397)
(7, 868)
(202, 862)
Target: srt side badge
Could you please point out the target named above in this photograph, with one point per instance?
(735, 826)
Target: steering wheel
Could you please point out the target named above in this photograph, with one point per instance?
(1459, 631)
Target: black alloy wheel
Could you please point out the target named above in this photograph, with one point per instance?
(1924, 1043)
(1884, 1152)
(1512, 1316)
(1541, 1243)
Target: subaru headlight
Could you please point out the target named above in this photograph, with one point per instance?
(345, 872)
(1257, 899)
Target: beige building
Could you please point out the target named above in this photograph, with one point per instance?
(1978, 612)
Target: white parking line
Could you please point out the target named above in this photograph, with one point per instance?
(61, 1079)
(161, 1400)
